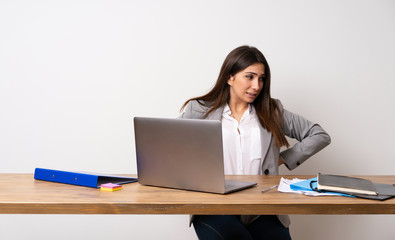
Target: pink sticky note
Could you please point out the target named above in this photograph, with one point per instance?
(110, 185)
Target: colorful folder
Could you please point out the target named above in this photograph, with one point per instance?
(81, 179)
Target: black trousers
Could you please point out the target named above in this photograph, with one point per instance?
(229, 227)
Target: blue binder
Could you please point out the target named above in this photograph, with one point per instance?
(81, 179)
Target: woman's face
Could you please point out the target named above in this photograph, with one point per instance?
(246, 85)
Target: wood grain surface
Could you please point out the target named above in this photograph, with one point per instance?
(21, 194)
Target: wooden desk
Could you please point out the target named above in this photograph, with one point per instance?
(21, 194)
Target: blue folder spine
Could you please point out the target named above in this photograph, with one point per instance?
(80, 179)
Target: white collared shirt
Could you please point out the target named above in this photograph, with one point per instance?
(242, 143)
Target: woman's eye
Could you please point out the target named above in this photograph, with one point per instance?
(261, 79)
(249, 77)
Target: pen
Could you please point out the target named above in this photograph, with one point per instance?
(269, 188)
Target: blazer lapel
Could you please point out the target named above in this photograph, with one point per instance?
(216, 114)
(266, 139)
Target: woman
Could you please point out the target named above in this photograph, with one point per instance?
(254, 127)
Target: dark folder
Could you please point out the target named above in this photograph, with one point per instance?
(357, 187)
(80, 179)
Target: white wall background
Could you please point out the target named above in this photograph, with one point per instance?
(74, 73)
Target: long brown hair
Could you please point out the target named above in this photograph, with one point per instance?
(266, 108)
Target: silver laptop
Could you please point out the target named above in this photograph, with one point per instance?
(182, 153)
